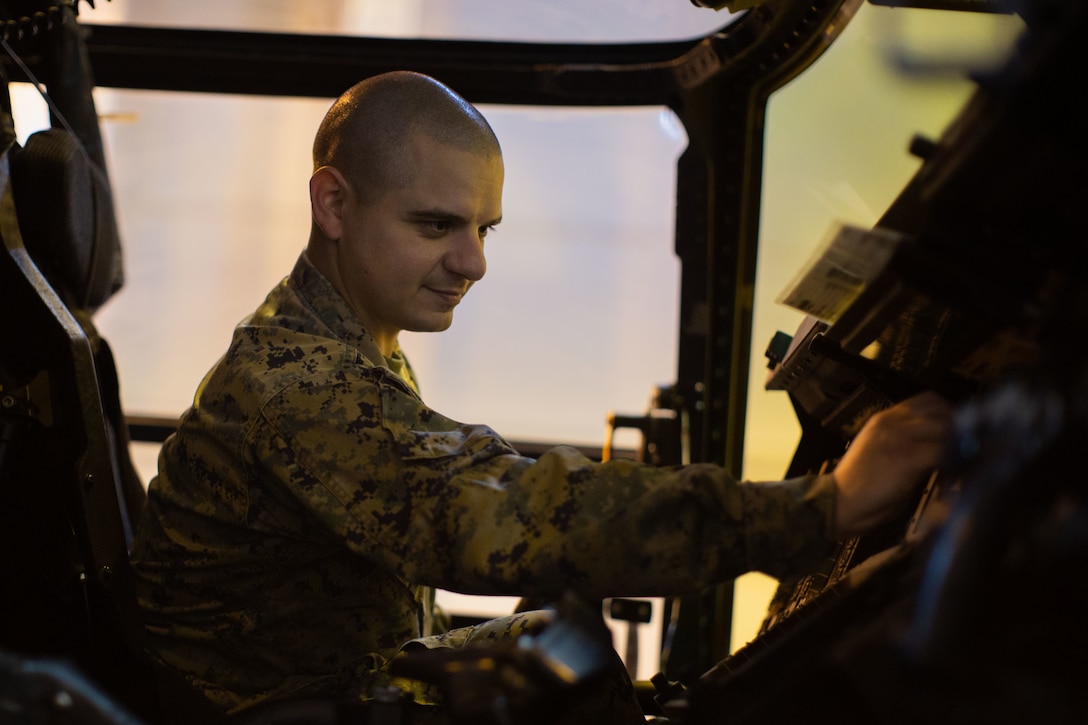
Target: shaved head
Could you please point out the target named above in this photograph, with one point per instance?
(365, 133)
(407, 183)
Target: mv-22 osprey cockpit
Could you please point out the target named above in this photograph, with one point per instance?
(774, 218)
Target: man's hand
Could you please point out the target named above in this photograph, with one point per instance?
(894, 452)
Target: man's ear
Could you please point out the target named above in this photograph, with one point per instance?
(327, 199)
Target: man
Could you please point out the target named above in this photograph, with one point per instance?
(310, 501)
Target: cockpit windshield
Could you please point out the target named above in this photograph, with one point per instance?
(555, 21)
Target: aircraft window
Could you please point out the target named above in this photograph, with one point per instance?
(211, 197)
(576, 21)
(836, 150)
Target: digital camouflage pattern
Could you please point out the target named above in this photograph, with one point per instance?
(310, 500)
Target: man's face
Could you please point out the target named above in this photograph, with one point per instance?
(408, 255)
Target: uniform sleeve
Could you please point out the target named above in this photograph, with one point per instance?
(453, 506)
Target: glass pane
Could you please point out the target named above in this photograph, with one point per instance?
(576, 21)
(836, 148)
(212, 197)
(836, 151)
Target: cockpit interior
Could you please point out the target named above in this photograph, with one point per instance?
(732, 231)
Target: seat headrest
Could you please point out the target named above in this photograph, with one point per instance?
(65, 210)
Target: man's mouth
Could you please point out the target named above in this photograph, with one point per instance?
(451, 296)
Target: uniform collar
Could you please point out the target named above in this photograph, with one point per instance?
(332, 310)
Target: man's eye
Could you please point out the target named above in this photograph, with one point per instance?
(484, 231)
(439, 226)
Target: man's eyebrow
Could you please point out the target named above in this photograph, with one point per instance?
(444, 215)
(436, 213)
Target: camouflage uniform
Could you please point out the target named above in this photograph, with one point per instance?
(310, 499)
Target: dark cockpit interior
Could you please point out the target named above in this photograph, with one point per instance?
(969, 280)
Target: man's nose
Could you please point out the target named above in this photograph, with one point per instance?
(466, 256)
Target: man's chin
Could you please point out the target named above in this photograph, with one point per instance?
(433, 325)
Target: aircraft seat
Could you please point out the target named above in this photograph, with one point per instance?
(69, 494)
